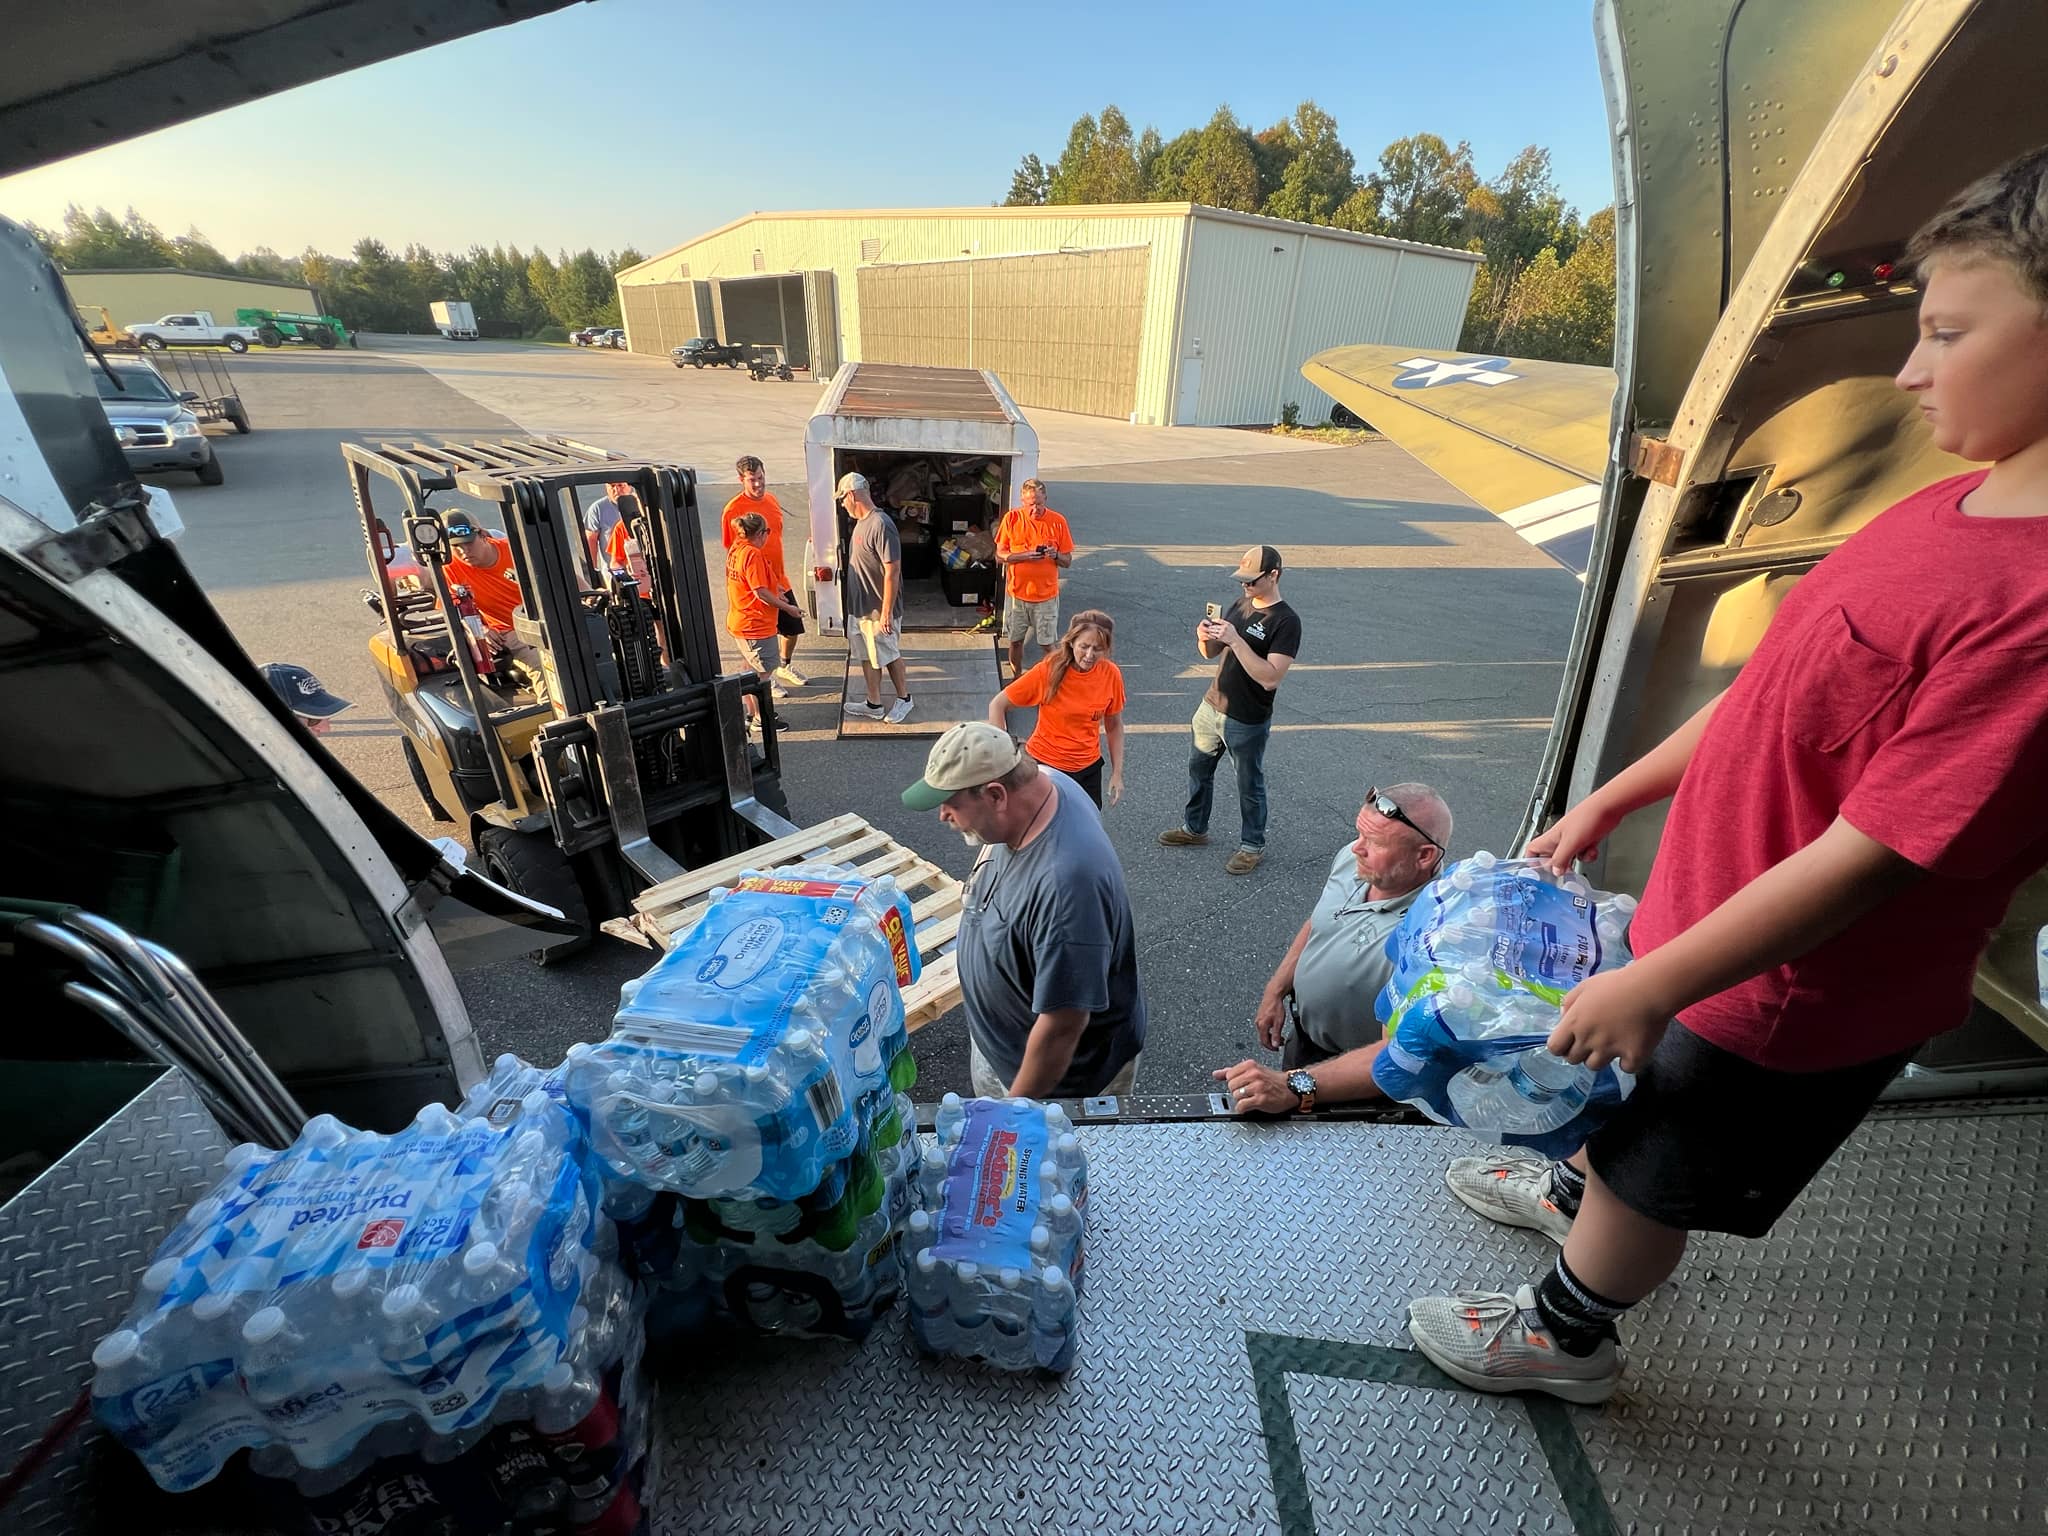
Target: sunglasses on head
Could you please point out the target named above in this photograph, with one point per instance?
(1390, 808)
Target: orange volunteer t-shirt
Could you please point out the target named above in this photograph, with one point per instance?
(748, 616)
(1067, 735)
(1033, 581)
(496, 590)
(771, 510)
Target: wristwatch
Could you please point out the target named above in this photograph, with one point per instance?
(1303, 1083)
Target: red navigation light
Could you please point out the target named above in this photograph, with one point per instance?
(1881, 271)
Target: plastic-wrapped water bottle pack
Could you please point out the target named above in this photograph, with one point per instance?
(992, 1259)
(358, 1294)
(735, 1064)
(821, 1266)
(1481, 963)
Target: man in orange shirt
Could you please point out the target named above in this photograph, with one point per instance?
(482, 561)
(1033, 546)
(751, 598)
(754, 498)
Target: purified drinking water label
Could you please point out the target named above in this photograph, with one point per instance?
(992, 1199)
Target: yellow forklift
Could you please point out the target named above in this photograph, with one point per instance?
(601, 750)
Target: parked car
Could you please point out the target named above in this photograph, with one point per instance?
(612, 337)
(704, 352)
(194, 328)
(151, 421)
(587, 336)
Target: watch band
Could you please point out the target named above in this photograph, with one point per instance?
(1307, 1096)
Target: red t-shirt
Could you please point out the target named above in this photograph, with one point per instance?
(771, 510)
(748, 616)
(1903, 685)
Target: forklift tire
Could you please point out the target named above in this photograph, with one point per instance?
(530, 864)
(270, 336)
(237, 345)
(419, 780)
(323, 338)
(238, 414)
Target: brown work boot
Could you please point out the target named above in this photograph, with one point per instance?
(1244, 861)
(1181, 837)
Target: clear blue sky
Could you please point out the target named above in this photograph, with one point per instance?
(644, 123)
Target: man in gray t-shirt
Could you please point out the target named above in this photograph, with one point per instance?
(874, 601)
(1330, 979)
(1047, 952)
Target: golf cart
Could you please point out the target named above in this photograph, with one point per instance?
(622, 758)
(765, 360)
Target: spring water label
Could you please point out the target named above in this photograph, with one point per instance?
(992, 1195)
(866, 1036)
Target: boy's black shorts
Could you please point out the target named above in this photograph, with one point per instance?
(788, 623)
(1713, 1143)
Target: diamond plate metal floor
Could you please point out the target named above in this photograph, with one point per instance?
(1874, 1366)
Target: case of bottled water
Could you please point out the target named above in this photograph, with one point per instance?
(992, 1258)
(1481, 963)
(820, 1266)
(734, 1065)
(356, 1294)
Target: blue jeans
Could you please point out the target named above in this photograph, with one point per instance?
(1215, 734)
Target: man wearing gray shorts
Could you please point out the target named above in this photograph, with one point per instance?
(1033, 545)
(874, 601)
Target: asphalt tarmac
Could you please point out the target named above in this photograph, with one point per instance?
(1433, 643)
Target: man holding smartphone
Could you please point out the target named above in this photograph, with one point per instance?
(1033, 546)
(1258, 637)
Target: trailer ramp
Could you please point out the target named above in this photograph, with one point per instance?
(1874, 1365)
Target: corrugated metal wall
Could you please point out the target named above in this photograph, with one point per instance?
(1263, 299)
(1063, 330)
(832, 241)
(661, 316)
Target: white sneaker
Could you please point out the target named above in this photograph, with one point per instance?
(860, 709)
(1493, 1342)
(1511, 1187)
(788, 674)
(778, 693)
(899, 712)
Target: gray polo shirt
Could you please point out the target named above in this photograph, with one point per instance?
(1345, 964)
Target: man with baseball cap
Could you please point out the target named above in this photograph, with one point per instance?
(1047, 953)
(482, 561)
(1258, 637)
(874, 600)
(305, 696)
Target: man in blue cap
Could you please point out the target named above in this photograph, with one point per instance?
(305, 696)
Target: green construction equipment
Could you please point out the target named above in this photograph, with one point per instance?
(276, 327)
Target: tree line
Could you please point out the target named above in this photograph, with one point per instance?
(1546, 290)
(373, 288)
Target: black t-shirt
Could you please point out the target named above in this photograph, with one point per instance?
(1274, 631)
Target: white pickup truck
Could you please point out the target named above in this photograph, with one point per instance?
(194, 328)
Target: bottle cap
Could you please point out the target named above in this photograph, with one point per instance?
(210, 1306)
(1041, 1237)
(1054, 1277)
(967, 1269)
(950, 1101)
(159, 1275)
(480, 1257)
(401, 1299)
(1060, 1205)
(927, 1261)
(350, 1283)
(117, 1348)
(264, 1324)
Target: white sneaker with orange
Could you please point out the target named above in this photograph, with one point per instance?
(1512, 1187)
(1491, 1341)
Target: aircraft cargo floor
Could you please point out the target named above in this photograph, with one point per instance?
(1875, 1365)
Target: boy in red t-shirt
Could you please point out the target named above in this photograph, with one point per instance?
(755, 497)
(1851, 818)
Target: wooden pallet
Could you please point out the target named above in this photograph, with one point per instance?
(663, 912)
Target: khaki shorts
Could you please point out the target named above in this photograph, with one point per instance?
(876, 649)
(1032, 621)
(754, 652)
(981, 1073)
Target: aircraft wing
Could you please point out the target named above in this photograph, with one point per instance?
(1526, 440)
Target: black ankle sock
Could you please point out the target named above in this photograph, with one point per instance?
(1578, 1318)
(1567, 1187)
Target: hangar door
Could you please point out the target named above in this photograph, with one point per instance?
(662, 316)
(1061, 330)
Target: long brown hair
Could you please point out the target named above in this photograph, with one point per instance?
(1057, 663)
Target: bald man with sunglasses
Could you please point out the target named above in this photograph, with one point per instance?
(1317, 1010)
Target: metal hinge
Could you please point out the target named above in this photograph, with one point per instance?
(103, 536)
(1654, 459)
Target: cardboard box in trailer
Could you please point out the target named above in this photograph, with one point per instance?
(945, 451)
(454, 319)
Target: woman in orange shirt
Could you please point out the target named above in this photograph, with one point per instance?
(1079, 693)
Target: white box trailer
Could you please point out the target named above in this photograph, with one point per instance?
(455, 319)
(880, 417)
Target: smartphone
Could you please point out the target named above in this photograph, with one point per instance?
(1215, 610)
